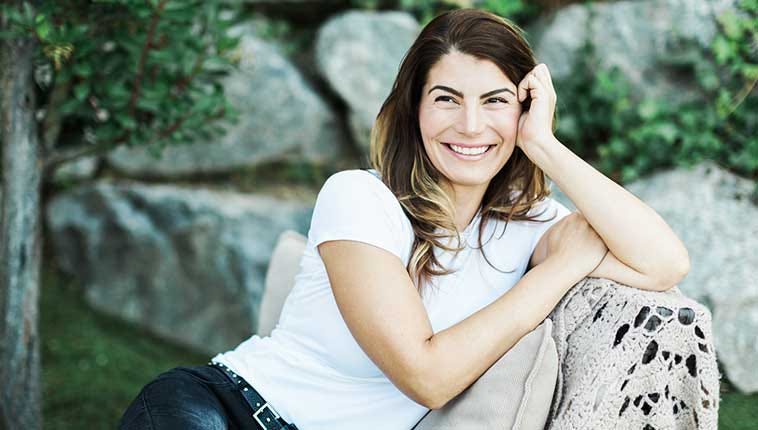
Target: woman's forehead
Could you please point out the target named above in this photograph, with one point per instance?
(467, 73)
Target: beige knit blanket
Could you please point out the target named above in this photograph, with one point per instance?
(633, 359)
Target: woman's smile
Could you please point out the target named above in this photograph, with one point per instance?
(468, 153)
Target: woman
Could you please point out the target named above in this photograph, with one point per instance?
(397, 308)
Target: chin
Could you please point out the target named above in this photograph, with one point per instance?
(469, 177)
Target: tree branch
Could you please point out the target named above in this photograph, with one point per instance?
(143, 59)
(62, 155)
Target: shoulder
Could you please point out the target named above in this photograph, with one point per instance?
(359, 185)
(355, 178)
(356, 205)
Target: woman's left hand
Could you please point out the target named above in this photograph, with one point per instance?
(536, 124)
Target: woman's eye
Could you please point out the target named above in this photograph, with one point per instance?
(500, 99)
(443, 97)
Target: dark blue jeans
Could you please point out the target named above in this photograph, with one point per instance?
(189, 398)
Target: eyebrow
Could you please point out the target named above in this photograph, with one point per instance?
(460, 94)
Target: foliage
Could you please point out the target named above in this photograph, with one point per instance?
(631, 139)
(130, 72)
(519, 11)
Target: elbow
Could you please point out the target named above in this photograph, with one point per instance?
(434, 401)
(426, 390)
(426, 386)
(676, 273)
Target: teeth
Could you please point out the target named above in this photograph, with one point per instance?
(469, 151)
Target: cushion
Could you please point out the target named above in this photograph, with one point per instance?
(514, 393)
(280, 278)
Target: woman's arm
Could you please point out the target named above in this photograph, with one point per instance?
(635, 234)
(610, 267)
(460, 354)
(385, 314)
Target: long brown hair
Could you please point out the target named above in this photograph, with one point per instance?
(397, 151)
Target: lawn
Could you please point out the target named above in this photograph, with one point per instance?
(94, 365)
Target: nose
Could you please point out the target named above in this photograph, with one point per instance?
(472, 121)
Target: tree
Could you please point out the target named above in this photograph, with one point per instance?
(103, 73)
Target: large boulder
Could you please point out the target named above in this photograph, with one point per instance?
(281, 118)
(714, 213)
(644, 39)
(187, 264)
(359, 54)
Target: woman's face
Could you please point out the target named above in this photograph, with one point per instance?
(470, 104)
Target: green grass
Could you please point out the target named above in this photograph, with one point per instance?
(94, 365)
(737, 411)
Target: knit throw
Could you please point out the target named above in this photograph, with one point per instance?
(633, 359)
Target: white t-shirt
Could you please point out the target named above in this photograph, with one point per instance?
(310, 368)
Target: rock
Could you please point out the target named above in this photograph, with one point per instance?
(187, 264)
(78, 169)
(281, 119)
(359, 54)
(711, 211)
(640, 37)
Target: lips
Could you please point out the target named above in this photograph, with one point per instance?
(471, 157)
(468, 145)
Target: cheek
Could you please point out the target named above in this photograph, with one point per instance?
(506, 122)
(434, 121)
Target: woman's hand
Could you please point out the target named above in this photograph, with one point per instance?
(536, 124)
(576, 243)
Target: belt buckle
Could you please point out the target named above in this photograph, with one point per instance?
(258, 420)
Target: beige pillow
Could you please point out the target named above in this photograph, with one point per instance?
(280, 278)
(514, 393)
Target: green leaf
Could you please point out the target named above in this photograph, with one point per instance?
(721, 49)
(648, 109)
(82, 69)
(81, 91)
(28, 12)
(667, 131)
(126, 121)
(750, 71)
(148, 105)
(731, 23)
(43, 30)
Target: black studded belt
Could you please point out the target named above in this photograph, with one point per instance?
(263, 413)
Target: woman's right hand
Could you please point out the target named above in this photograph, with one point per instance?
(576, 243)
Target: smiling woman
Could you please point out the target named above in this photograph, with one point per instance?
(389, 316)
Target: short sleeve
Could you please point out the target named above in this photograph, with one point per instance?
(550, 206)
(355, 205)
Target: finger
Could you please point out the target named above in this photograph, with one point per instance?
(543, 74)
(525, 85)
(549, 78)
(534, 87)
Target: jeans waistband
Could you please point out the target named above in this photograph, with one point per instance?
(263, 413)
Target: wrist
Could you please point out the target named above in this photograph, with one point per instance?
(567, 267)
(542, 150)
